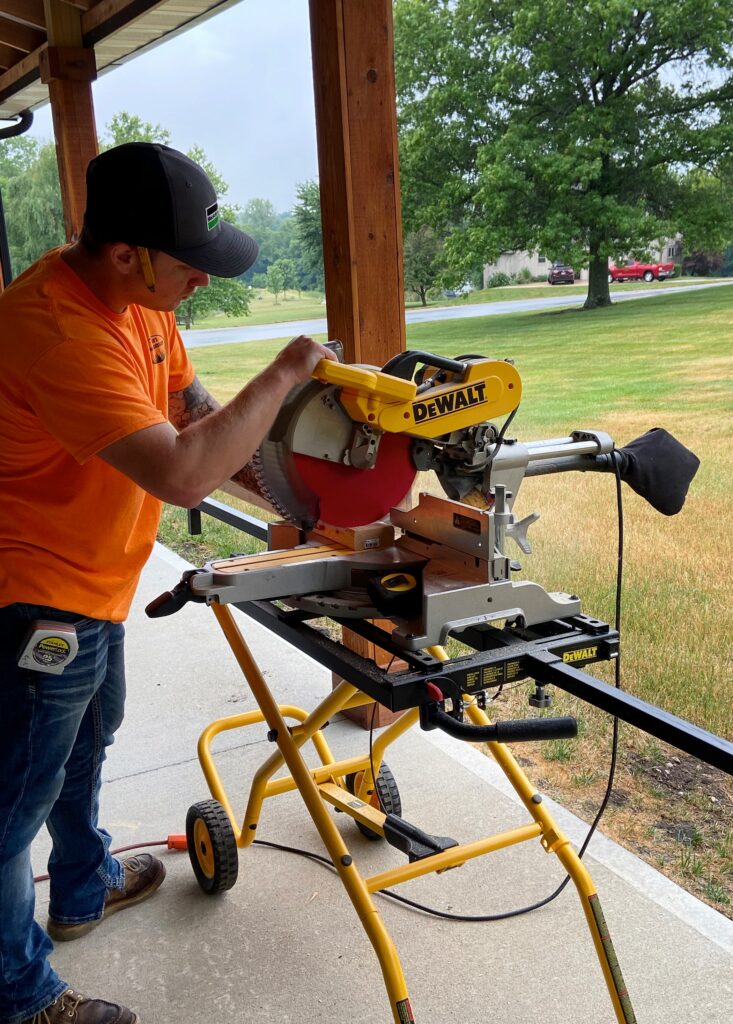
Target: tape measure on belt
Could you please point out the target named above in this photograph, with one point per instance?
(48, 646)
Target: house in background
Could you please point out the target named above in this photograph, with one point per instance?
(511, 263)
(669, 249)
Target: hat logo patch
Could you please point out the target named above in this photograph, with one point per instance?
(212, 216)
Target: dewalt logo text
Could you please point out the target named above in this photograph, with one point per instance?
(452, 401)
(580, 655)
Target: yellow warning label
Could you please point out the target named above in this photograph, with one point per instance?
(492, 675)
(582, 654)
(512, 670)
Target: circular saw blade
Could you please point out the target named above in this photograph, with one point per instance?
(355, 497)
(307, 489)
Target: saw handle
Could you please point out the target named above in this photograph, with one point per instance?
(521, 730)
(404, 364)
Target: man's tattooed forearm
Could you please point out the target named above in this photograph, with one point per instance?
(191, 404)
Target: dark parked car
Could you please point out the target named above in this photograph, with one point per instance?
(561, 273)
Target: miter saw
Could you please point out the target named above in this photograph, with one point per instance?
(340, 465)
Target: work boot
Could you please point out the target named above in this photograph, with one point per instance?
(143, 875)
(73, 1008)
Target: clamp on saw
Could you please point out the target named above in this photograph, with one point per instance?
(339, 465)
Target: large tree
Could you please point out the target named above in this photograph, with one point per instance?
(226, 295)
(308, 231)
(423, 255)
(556, 125)
(125, 127)
(32, 201)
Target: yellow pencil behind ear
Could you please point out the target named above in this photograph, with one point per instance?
(147, 267)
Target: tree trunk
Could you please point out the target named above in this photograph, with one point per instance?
(598, 291)
(423, 295)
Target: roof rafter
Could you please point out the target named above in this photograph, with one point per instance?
(21, 37)
(26, 12)
(8, 56)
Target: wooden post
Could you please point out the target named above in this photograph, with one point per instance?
(69, 69)
(356, 125)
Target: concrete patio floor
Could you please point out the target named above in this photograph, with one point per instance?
(285, 945)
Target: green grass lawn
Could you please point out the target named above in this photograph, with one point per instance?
(264, 310)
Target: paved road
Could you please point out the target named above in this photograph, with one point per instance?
(266, 332)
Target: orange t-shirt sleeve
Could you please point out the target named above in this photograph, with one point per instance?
(89, 396)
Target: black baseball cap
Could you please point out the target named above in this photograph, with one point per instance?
(146, 194)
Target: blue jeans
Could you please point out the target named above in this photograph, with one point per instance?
(53, 733)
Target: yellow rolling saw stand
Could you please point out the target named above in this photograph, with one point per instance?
(215, 834)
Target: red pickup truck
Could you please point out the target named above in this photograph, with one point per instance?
(632, 270)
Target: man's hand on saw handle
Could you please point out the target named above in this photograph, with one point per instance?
(300, 357)
(211, 444)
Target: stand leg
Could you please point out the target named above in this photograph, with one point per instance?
(333, 841)
(555, 841)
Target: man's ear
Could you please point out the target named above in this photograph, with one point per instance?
(123, 258)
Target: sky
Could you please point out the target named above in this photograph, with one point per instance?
(240, 85)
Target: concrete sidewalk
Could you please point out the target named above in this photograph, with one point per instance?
(285, 945)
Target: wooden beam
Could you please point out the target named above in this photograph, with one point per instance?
(8, 56)
(27, 12)
(356, 124)
(334, 165)
(22, 73)
(20, 36)
(69, 71)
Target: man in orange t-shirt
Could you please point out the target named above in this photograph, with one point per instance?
(101, 419)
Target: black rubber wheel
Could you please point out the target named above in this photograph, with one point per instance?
(388, 799)
(648, 276)
(212, 847)
(610, 278)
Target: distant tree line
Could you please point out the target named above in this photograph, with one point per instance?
(290, 255)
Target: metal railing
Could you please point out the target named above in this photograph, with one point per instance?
(226, 514)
